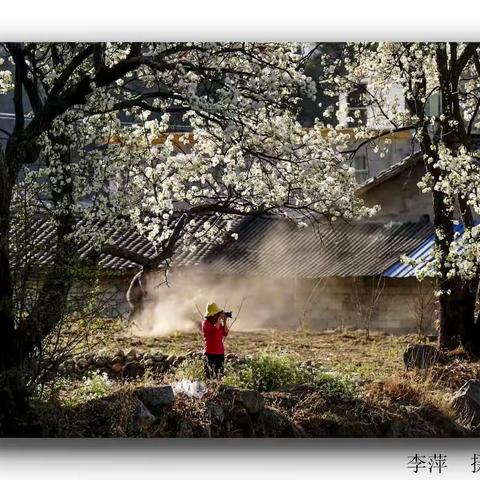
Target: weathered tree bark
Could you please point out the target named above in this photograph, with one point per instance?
(457, 312)
(51, 306)
(13, 393)
(469, 330)
(7, 318)
(443, 222)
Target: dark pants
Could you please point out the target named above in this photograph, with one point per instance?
(213, 365)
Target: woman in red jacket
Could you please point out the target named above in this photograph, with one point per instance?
(214, 330)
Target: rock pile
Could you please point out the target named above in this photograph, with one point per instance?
(123, 364)
(244, 413)
(132, 363)
(231, 412)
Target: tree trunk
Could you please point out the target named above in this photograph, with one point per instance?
(8, 350)
(51, 306)
(469, 331)
(13, 394)
(457, 317)
(450, 288)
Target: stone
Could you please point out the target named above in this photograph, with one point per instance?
(277, 424)
(156, 398)
(120, 354)
(132, 353)
(101, 361)
(82, 363)
(466, 402)
(251, 400)
(117, 368)
(217, 415)
(421, 356)
(130, 358)
(271, 424)
(117, 359)
(240, 423)
(133, 369)
(144, 416)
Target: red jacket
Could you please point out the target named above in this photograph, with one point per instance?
(213, 338)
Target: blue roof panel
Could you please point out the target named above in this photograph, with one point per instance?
(423, 252)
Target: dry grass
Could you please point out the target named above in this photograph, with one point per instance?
(390, 402)
(420, 405)
(348, 352)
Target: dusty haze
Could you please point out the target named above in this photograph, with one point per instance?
(266, 302)
(181, 305)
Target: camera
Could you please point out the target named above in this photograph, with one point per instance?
(228, 314)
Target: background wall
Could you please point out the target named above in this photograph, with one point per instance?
(284, 303)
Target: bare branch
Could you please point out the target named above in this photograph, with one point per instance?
(67, 72)
(18, 56)
(125, 253)
(381, 134)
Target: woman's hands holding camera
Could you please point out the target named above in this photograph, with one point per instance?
(221, 321)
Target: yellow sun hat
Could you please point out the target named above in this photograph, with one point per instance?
(212, 309)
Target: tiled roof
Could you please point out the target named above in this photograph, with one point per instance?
(275, 248)
(268, 246)
(38, 243)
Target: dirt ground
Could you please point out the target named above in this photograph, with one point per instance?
(349, 352)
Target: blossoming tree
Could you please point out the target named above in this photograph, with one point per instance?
(398, 80)
(92, 149)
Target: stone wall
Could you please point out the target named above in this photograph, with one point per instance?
(110, 295)
(344, 302)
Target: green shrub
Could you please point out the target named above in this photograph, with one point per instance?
(267, 371)
(68, 392)
(335, 385)
(97, 385)
(190, 369)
